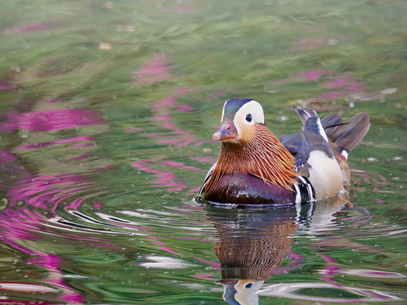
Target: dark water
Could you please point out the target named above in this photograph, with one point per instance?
(107, 111)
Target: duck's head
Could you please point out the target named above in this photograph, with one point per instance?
(239, 119)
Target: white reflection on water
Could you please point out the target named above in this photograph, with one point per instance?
(30, 288)
(293, 291)
(165, 263)
(374, 273)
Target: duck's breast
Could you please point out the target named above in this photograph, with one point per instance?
(246, 188)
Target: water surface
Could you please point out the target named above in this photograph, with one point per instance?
(106, 116)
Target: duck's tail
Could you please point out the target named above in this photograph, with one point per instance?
(312, 126)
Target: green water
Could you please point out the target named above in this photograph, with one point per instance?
(106, 116)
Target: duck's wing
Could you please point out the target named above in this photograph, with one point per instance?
(331, 120)
(207, 177)
(298, 146)
(344, 137)
(312, 137)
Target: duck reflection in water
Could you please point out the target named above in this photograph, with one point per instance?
(253, 242)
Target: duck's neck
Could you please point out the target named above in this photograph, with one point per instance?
(263, 156)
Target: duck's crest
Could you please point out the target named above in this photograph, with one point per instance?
(232, 106)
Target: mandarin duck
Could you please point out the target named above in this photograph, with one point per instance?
(255, 167)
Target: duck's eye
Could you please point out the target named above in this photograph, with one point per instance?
(248, 286)
(249, 117)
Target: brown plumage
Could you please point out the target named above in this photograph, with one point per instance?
(262, 156)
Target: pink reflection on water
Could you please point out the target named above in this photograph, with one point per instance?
(39, 191)
(6, 156)
(217, 94)
(308, 43)
(178, 137)
(26, 223)
(144, 162)
(159, 243)
(204, 159)
(184, 108)
(195, 189)
(32, 27)
(5, 85)
(23, 227)
(161, 106)
(182, 8)
(355, 87)
(331, 268)
(337, 82)
(374, 179)
(83, 156)
(169, 250)
(55, 278)
(346, 84)
(153, 71)
(312, 75)
(181, 90)
(177, 142)
(332, 95)
(46, 144)
(50, 120)
(343, 85)
(315, 42)
(297, 262)
(204, 276)
(163, 178)
(211, 263)
(158, 69)
(179, 165)
(304, 76)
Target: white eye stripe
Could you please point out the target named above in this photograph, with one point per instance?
(254, 108)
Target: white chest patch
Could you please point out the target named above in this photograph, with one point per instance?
(325, 175)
